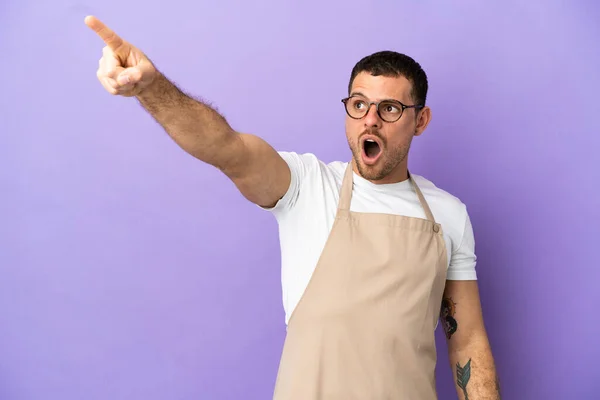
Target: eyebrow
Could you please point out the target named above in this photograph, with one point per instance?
(361, 94)
(358, 94)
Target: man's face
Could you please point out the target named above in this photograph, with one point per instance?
(380, 148)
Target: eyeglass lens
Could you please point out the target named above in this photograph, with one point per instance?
(358, 107)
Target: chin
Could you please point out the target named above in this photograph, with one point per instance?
(388, 162)
(374, 172)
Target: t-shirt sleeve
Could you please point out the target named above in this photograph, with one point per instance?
(298, 164)
(463, 258)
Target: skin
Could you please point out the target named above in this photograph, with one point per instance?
(263, 177)
(468, 342)
(258, 171)
(395, 137)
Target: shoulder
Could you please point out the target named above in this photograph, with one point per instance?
(444, 200)
(310, 161)
(309, 176)
(451, 212)
(308, 167)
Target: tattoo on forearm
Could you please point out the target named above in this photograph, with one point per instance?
(463, 374)
(447, 314)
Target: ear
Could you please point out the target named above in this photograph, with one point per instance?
(422, 120)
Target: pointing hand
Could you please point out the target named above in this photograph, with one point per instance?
(124, 70)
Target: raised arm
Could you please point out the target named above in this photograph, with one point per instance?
(257, 170)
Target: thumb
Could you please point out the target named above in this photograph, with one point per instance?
(129, 76)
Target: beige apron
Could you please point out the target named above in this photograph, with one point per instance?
(364, 327)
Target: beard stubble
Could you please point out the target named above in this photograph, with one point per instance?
(387, 163)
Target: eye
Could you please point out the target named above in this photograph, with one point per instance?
(390, 108)
(359, 104)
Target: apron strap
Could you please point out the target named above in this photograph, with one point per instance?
(346, 190)
(422, 200)
(346, 194)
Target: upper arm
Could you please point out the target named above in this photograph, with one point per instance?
(463, 259)
(461, 314)
(257, 170)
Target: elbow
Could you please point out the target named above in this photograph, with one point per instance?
(469, 341)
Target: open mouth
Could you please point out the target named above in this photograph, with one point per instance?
(371, 150)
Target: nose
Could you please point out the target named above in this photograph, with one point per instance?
(372, 118)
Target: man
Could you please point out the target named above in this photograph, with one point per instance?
(371, 253)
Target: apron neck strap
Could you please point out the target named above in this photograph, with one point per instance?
(422, 200)
(346, 193)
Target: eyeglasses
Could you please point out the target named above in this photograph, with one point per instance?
(388, 110)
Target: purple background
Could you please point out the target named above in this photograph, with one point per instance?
(129, 270)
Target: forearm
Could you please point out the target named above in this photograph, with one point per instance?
(194, 126)
(474, 371)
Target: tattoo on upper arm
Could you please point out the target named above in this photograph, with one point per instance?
(463, 374)
(447, 315)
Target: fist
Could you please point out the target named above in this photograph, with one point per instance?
(123, 69)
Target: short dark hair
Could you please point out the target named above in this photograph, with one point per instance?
(393, 64)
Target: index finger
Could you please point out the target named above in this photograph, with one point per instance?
(109, 37)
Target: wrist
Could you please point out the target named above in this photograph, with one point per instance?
(152, 89)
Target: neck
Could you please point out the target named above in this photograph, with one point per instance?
(398, 174)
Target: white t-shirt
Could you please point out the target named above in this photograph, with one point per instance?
(306, 213)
